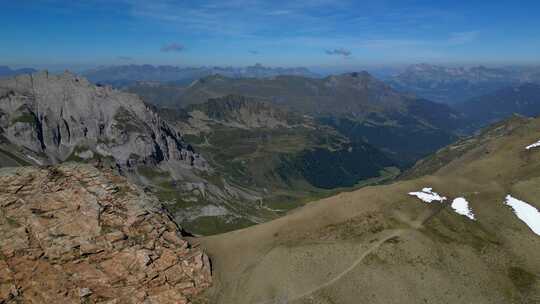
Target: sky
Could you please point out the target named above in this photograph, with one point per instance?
(317, 33)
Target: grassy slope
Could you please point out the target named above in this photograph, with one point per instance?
(441, 158)
(380, 245)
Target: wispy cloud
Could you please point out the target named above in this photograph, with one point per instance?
(124, 58)
(463, 37)
(340, 52)
(315, 30)
(173, 47)
(279, 12)
(238, 18)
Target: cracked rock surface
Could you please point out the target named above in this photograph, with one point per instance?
(74, 234)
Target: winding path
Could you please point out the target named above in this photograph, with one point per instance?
(429, 214)
(375, 246)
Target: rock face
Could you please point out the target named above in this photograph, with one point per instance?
(73, 234)
(62, 116)
(244, 112)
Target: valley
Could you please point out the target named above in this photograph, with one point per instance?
(269, 152)
(346, 248)
(358, 105)
(225, 164)
(230, 154)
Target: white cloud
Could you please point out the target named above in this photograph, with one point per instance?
(463, 37)
(341, 52)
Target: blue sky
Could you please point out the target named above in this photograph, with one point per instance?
(318, 33)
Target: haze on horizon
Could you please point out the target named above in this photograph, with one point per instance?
(318, 33)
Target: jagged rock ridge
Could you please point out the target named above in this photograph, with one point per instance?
(61, 116)
(245, 112)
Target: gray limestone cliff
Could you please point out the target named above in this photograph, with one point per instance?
(61, 116)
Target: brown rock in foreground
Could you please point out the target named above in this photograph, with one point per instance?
(74, 234)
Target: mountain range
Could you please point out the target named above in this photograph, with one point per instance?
(48, 119)
(356, 104)
(113, 192)
(6, 71)
(123, 75)
(232, 152)
(223, 164)
(523, 99)
(457, 84)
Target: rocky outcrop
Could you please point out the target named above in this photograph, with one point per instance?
(234, 111)
(245, 112)
(74, 234)
(61, 116)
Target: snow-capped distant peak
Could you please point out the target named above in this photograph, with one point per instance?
(427, 195)
(461, 206)
(525, 212)
(535, 145)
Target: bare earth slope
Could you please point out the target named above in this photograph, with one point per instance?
(73, 234)
(381, 245)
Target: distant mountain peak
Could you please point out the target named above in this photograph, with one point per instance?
(128, 74)
(6, 71)
(520, 99)
(456, 84)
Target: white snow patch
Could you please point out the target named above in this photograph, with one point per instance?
(427, 195)
(536, 144)
(37, 161)
(461, 206)
(525, 212)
